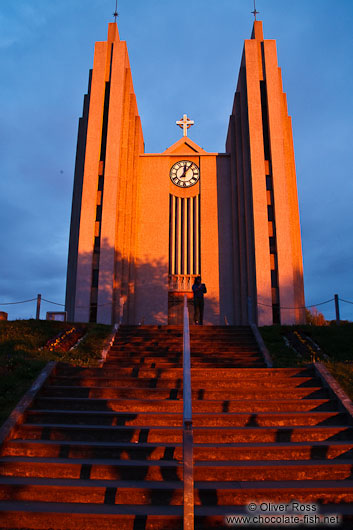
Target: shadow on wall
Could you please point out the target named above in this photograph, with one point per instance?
(288, 303)
(110, 287)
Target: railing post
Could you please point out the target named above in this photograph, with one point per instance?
(188, 464)
(337, 307)
(122, 301)
(39, 299)
(250, 318)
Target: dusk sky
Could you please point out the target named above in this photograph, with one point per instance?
(185, 58)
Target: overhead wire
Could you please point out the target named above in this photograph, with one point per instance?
(108, 303)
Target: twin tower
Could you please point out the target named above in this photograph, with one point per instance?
(143, 225)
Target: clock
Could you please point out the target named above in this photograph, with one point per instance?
(184, 174)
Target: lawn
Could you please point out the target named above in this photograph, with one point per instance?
(335, 342)
(24, 352)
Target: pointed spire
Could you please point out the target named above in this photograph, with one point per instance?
(113, 32)
(257, 31)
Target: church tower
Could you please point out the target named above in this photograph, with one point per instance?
(103, 219)
(144, 225)
(268, 263)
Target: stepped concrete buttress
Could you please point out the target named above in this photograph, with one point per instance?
(102, 448)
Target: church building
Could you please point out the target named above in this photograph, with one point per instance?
(144, 225)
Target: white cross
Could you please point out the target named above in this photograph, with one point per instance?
(185, 123)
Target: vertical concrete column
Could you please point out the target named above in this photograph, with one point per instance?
(124, 235)
(126, 199)
(90, 180)
(172, 237)
(119, 189)
(135, 182)
(225, 239)
(185, 236)
(152, 242)
(242, 172)
(178, 235)
(282, 206)
(297, 258)
(111, 183)
(122, 199)
(258, 184)
(192, 234)
(197, 234)
(230, 148)
(76, 207)
(209, 237)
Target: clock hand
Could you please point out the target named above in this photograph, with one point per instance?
(184, 172)
(187, 169)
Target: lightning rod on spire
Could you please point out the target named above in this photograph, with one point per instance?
(255, 12)
(116, 14)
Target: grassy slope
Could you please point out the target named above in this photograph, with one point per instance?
(336, 342)
(21, 356)
(282, 356)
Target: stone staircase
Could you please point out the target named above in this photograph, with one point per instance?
(102, 448)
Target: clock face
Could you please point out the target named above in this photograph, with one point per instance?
(184, 174)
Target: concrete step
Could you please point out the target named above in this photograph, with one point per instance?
(177, 348)
(118, 392)
(159, 470)
(170, 419)
(248, 362)
(264, 419)
(171, 393)
(150, 405)
(88, 491)
(125, 363)
(234, 390)
(155, 470)
(271, 451)
(211, 365)
(207, 364)
(75, 516)
(277, 451)
(246, 373)
(165, 341)
(146, 356)
(168, 356)
(136, 371)
(36, 515)
(101, 450)
(109, 440)
(273, 471)
(234, 387)
(303, 491)
(220, 389)
(135, 329)
(152, 493)
(161, 434)
(118, 382)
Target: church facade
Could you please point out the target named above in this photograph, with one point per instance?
(144, 225)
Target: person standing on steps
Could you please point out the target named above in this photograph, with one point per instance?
(199, 289)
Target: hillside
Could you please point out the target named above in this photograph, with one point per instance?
(27, 345)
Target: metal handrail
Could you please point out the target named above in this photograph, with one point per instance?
(188, 460)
